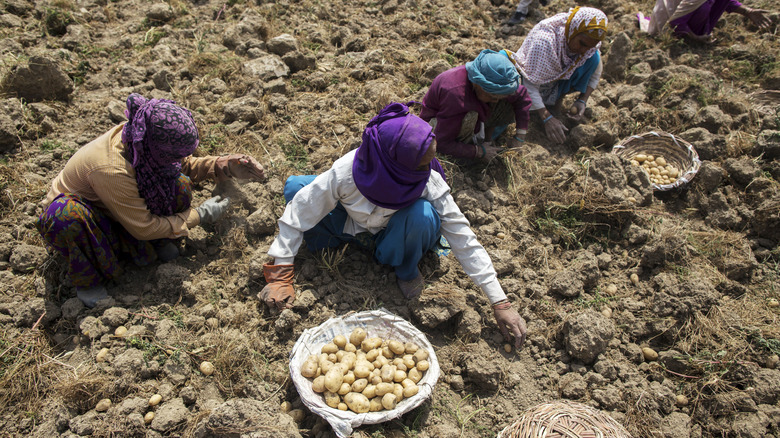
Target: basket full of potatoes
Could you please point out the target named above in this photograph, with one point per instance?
(363, 368)
(668, 160)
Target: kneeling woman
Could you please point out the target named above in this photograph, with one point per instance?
(559, 56)
(129, 192)
(389, 196)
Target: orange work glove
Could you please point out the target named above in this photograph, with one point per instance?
(279, 291)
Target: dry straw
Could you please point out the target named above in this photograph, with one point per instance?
(677, 152)
(564, 419)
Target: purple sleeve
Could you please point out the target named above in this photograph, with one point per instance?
(443, 104)
(521, 102)
(733, 4)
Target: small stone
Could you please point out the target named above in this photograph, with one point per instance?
(649, 354)
(101, 356)
(285, 406)
(501, 235)
(773, 303)
(634, 279)
(103, 405)
(155, 400)
(120, 331)
(610, 290)
(681, 400)
(207, 368)
(148, 417)
(606, 311)
(772, 361)
(507, 348)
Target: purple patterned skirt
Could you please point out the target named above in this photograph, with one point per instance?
(92, 242)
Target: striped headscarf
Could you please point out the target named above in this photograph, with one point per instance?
(157, 136)
(543, 56)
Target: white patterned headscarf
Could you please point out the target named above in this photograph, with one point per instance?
(543, 56)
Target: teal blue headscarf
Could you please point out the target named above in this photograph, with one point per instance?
(494, 72)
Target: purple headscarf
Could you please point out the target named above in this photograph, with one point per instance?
(385, 166)
(157, 135)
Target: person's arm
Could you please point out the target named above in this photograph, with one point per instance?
(474, 259)
(312, 203)
(442, 104)
(118, 191)
(199, 168)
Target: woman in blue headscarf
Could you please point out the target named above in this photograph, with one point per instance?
(388, 196)
(470, 106)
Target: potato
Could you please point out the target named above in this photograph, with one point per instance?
(640, 157)
(375, 404)
(401, 367)
(349, 377)
(399, 376)
(370, 344)
(389, 401)
(318, 385)
(383, 388)
(372, 355)
(348, 360)
(661, 161)
(345, 389)
(423, 365)
(407, 383)
(361, 370)
(386, 352)
(411, 390)
(350, 348)
(359, 385)
(387, 373)
(343, 407)
(329, 348)
(333, 358)
(326, 365)
(376, 380)
(369, 391)
(332, 399)
(340, 355)
(382, 361)
(421, 354)
(396, 347)
(333, 379)
(357, 402)
(357, 336)
(409, 361)
(340, 341)
(309, 369)
(398, 391)
(410, 348)
(414, 375)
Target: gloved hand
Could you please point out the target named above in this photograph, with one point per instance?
(279, 291)
(555, 130)
(239, 166)
(213, 209)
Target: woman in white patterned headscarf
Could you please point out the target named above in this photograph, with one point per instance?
(559, 56)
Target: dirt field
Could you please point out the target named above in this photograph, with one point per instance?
(660, 309)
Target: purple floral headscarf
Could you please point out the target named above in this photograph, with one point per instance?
(385, 166)
(157, 135)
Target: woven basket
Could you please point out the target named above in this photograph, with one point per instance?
(564, 419)
(675, 150)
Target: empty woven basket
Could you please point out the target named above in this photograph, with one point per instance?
(675, 150)
(564, 419)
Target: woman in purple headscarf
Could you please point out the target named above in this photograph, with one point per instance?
(129, 192)
(389, 196)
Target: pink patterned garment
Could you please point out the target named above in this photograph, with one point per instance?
(544, 56)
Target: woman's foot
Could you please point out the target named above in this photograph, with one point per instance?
(411, 288)
(91, 295)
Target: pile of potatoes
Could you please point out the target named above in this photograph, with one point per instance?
(657, 168)
(365, 374)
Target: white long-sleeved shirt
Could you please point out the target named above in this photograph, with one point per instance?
(337, 185)
(542, 94)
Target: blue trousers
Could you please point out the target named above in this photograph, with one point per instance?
(580, 78)
(411, 232)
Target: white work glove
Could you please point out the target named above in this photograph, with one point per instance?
(213, 209)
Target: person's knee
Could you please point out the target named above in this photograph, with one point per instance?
(422, 216)
(294, 184)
